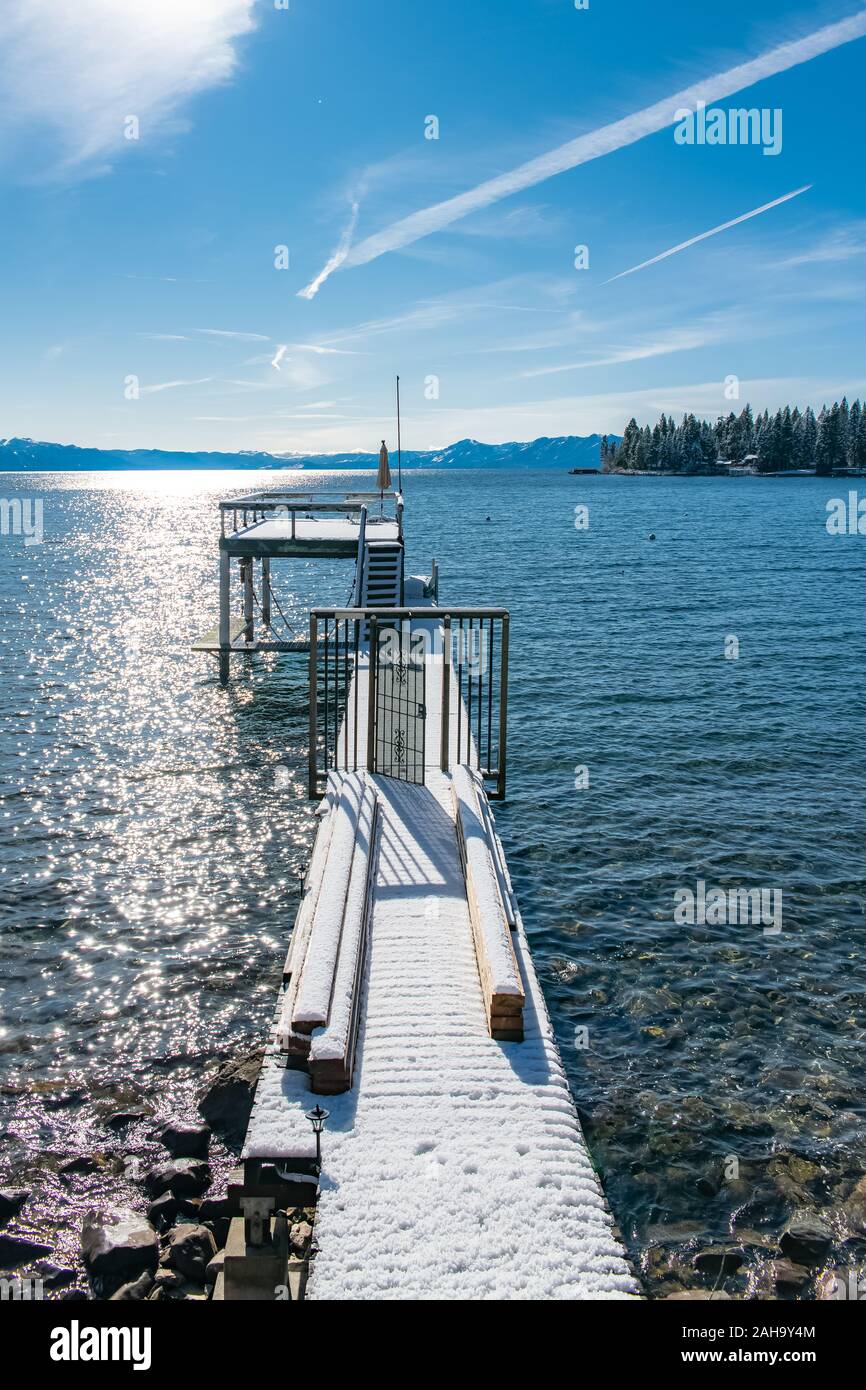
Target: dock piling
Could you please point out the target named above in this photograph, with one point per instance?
(249, 622)
(225, 616)
(266, 591)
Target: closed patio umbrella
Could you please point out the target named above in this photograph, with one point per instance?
(383, 477)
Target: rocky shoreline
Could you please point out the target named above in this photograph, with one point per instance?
(170, 1244)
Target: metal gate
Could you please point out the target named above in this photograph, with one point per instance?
(368, 692)
(396, 740)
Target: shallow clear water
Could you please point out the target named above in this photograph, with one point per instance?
(154, 826)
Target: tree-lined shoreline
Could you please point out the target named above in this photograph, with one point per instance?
(791, 441)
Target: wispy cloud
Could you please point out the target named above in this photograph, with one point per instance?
(172, 385)
(233, 333)
(593, 145)
(279, 355)
(843, 244)
(676, 340)
(79, 70)
(339, 256)
(714, 231)
(321, 350)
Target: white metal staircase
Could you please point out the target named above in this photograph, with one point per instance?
(382, 585)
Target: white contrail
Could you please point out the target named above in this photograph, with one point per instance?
(337, 259)
(593, 145)
(714, 231)
(280, 353)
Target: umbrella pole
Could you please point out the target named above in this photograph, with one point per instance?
(399, 451)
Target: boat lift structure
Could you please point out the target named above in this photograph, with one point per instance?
(267, 526)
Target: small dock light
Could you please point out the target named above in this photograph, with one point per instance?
(317, 1119)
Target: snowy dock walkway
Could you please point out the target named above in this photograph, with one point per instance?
(455, 1167)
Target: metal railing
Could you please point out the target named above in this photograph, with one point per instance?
(256, 507)
(461, 718)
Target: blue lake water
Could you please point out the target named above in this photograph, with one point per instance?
(153, 826)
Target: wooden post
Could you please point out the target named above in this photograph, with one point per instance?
(249, 626)
(371, 695)
(503, 707)
(444, 749)
(225, 615)
(314, 695)
(266, 591)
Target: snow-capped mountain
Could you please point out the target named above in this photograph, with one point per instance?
(567, 451)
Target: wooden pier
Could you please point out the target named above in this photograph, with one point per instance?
(452, 1162)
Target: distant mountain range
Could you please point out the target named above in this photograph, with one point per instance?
(568, 451)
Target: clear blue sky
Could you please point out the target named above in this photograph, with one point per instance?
(260, 126)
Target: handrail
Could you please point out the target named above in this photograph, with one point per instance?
(306, 501)
(359, 570)
(427, 612)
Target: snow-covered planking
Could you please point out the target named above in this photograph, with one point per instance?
(286, 1038)
(332, 1050)
(313, 1001)
(455, 1168)
(498, 970)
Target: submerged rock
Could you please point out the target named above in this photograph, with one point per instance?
(684, 1294)
(82, 1164)
(228, 1101)
(806, 1239)
(118, 1244)
(18, 1250)
(185, 1140)
(121, 1118)
(715, 1260)
(854, 1208)
(788, 1275)
(12, 1199)
(183, 1177)
(54, 1276)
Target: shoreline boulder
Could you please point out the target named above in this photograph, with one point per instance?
(182, 1177)
(189, 1250)
(185, 1140)
(118, 1246)
(12, 1199)
(806, 1240)
(227, 1102)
